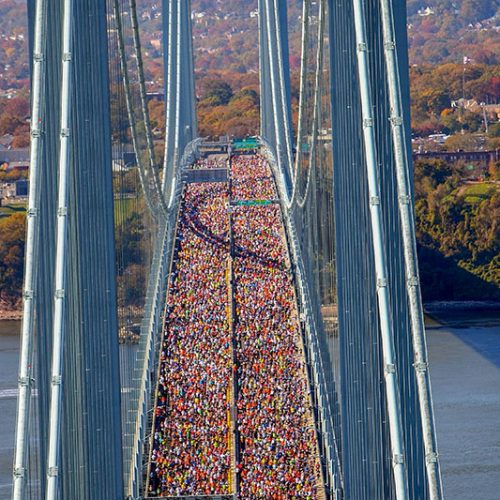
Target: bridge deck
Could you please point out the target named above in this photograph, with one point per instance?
(233, 414)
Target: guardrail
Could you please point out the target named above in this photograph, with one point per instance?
(146, 360)
(311, 329)
(148, 439)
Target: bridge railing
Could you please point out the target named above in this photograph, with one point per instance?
(311, 331)
(137, 421)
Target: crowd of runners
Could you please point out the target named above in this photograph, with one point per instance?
(206, 349)
(278, 447)
(251, 179)
(190, 453)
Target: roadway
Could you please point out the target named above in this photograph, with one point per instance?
(233, 415)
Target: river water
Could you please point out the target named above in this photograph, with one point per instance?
(9, 355)
(464, 355)
(464, 352)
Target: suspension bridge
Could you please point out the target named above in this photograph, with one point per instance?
(244, 320)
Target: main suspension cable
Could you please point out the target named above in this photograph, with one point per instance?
(303, 72)
(144, 103)
(132, 121)
(301, 200)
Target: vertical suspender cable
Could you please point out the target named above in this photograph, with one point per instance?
(386, 326)
(53, 454)
(27, 333)
(180, 120)
(130, 111)
(410, 254)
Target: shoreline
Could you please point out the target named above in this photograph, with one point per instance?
(11, 314)
(437, 306)
(15, 313)
(432, 310)
(11, 310)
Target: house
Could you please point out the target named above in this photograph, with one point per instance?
(21, 166)
(6, 141)
(7, 190)
(426, 12)
(22, 187)
(15, 155)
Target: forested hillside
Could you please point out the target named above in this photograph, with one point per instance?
(449, 30)
(226, 35)
(455, 91)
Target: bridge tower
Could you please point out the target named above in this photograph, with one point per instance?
(378, 370)
(70, 293)
(388, 429)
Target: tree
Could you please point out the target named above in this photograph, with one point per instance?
(450, 121)
(132, 286)
(494, 130)
(216, 92)
(126, 182)
(157, 113)
(9, 124)
(247, 93)
(494, 170)
(12, 239)
(477, 9)
(130, 241)
(457, 235)
(461, 142)
(18, 106)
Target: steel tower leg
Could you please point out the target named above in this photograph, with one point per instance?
(385, 317)
(266, 105)
(302, 93)
(75, 300)
(271, 50)
(177, 132)
(170, 57)
(283, 71)
(27, 333)
(59, 330)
